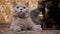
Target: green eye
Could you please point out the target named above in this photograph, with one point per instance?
(17, 6)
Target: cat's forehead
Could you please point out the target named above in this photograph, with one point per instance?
(21, 5)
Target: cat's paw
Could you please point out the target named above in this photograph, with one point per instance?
(37, 28)
(15, 28)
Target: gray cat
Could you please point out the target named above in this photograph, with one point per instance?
(21, 20)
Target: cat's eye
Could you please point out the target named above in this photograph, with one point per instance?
(17, 7)
(24, 7)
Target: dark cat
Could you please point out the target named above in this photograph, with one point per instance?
(49, 8)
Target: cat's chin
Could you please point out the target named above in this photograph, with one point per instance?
(23, 17)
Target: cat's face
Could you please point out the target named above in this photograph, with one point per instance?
(20, 10)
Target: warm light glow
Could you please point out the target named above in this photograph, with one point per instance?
(40, 15)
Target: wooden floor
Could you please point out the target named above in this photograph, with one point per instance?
(32, 32)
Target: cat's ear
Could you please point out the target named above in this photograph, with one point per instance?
(14, 4)
(27, 4)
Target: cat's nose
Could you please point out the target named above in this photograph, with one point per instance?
(20, 9)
